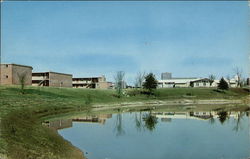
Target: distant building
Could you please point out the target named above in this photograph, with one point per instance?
(92, 82)
(51, 79)
(166, 75)
(10, 74)
(193, 82)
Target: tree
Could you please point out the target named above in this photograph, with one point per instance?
(150, 82)
(211, 79)
(238, 73)
(229, 80)
(119, 83)
(223, 84)
(139, 79)
(22, 80)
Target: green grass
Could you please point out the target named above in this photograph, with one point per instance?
(23, 136)
(200, 93)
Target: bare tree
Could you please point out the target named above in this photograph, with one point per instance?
(238, 73)
(211, 79)
(22, 80)
(119, 82)
(228, 79)
(139, 79)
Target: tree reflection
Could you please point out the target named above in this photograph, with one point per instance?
(118, 125)
(138, 121)
(150, 121)
(223, 115)
(238, 119)
(211, 119)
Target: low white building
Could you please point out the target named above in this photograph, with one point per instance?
(203, 82)
(176, 82)
(193, 82)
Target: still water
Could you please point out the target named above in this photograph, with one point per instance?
(160, 135)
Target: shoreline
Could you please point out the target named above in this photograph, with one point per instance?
(177, 102)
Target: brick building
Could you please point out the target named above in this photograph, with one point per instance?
(91, 82)
(51, 79)
(10, 74)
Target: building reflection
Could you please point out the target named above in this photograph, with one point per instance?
(93, 118)
(59, 124)
(67, 123)
(198, 115)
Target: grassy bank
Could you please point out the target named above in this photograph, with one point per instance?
(24, 137)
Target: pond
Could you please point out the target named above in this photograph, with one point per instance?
(159, 135)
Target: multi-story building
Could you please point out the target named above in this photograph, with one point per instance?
(91, 82)
(11, 74)
(51, 79)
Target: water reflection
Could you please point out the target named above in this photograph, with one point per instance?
(238, 126)
(118, 125)
(59, 124)
(159, 134)
(138, 121)
(147, 120)
(150, 121)
(223, 116)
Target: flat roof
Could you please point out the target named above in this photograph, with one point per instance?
(86, 77)
(179, 80)
(185, 78)
(16, 65)
(202, 79)
(53, 72)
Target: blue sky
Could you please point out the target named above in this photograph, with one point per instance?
(189, 39)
